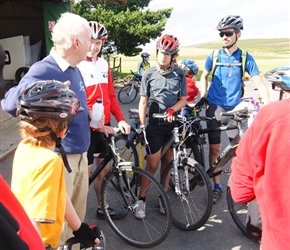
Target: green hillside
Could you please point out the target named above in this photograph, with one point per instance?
(269, 53)
(273, 45)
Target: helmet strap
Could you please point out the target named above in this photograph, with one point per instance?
(228, 47)
(61, 150)
(281, 94)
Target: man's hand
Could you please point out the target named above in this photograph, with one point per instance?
(124, 127)
(107, 130)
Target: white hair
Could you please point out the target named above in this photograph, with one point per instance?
(67, 28)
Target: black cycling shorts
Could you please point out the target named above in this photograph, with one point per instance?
(99, 144)
(215, 111)
(157, 135)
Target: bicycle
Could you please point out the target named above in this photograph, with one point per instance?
(128, 92)
(189, 193)
(121, 187)
(196, 141)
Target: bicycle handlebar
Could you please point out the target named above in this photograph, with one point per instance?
(237, 114)
(184, 118)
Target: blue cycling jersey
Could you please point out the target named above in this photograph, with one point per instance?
(226, 86)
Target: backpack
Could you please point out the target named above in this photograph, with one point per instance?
(242, 64)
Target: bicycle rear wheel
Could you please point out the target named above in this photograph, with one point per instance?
(192, 207)
(144, 233)
(127, 93)
(239, 213)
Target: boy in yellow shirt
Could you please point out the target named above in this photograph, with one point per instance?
(45, 109)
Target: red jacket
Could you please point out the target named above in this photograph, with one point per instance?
(261, 169)
(192, 90)
(98, 80)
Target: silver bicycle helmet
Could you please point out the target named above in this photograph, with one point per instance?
(231, 21)
(279, 77)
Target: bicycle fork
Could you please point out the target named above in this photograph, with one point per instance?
(177, 156)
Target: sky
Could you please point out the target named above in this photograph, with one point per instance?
(195, 21)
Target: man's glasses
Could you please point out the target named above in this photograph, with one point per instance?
(227, 34)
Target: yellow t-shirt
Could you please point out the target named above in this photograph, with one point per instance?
(38, 183)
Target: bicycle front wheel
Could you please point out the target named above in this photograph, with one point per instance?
(151, 230)
(128, 93)
(191, 207)
(126, 150)
(239, 213)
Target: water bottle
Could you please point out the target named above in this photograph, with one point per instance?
(97, 114)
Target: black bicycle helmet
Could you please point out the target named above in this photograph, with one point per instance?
(231, 21)
(48, 98)
(98, 31)
(279, 77)
(145, 54)
(168, 44)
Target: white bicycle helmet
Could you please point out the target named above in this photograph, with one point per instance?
(279, 77)
(98, 31)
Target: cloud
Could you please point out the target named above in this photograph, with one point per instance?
(194, 21)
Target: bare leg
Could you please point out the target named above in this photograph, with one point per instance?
(214, 151)
(151, 167)
(213, 155)
(168, 156)
(99, 179)
(114, 214)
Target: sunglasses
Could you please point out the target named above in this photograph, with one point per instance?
(227, 34)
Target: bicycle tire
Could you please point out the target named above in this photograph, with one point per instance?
(195, 149)
(197, 152)
(192, 208)
(126, 94)
(145, 233)
(238, 213)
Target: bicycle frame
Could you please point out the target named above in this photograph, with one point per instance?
(118, 164)
(179, 151)
(229, 151)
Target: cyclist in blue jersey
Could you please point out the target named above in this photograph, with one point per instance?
(224, 93)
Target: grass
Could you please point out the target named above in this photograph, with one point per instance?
(268, 53)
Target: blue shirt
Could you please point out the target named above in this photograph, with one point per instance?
(53, 67)
(226, 86)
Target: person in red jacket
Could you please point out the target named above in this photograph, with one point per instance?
(260, 169)
(190, 69)
(99, 85)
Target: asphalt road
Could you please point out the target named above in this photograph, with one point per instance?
(219, 233)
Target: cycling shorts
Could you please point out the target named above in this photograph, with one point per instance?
(157, 137)
(215, 111)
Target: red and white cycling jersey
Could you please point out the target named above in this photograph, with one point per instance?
(98, 80)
